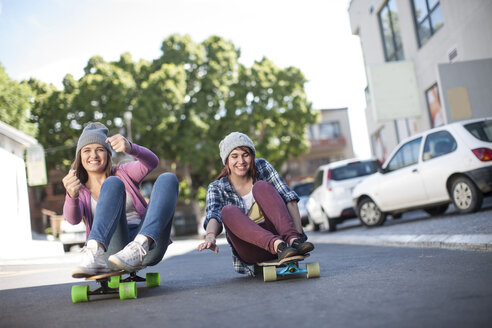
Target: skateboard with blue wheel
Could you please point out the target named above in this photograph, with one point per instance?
(274, 269)
(114, 283)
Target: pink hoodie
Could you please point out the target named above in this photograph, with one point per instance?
(132, 174)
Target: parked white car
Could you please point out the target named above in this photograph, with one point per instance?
(451, 163)
(330, 202)
(71, 235)
(303, 190)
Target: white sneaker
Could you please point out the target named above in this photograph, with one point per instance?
(92, 263)
(131, 257)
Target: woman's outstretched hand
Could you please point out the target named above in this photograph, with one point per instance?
(119, 144)
(209, 243)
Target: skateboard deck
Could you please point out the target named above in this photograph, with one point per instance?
(106, 275)
(114, 283)
(283, 261)
(274, 269)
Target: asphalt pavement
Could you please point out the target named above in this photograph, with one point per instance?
(414, 229)
(360, 286)
(363, 283)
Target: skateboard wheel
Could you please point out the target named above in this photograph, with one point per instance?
(257, 269)
(128, 290)
(114, 281)
(312, 270)
(269, 273)
(80, 293)
(153, 279)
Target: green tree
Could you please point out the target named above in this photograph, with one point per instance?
(54, 121)
(183, 103)
(199, 92)
(16, 103)
(104, 93)
(271, 107)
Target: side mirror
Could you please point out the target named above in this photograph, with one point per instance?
(379, 166)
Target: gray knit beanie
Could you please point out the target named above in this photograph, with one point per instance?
(232, 141)
(93, 133)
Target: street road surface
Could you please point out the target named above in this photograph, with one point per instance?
(360, 286)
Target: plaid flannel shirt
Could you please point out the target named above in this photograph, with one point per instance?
(221, 193)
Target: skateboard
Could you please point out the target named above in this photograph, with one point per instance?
(288, 266)
(113, 283)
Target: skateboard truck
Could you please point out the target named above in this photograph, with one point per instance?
(288, 266)
(111, 283)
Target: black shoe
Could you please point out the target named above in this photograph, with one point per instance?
(284, 251)
(302, 247)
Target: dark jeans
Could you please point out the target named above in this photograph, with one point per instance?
(110, 226)
(253, 242)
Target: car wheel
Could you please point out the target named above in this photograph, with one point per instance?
(369, 213)
(315, 225)
(466, 196)
(331, 224)
(436, 210)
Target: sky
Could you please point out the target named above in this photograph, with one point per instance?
(51, 38)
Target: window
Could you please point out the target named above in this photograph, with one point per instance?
(325, 130)
(481, 130)
(390, 29)
(329, 130)
(428, 19)
(354, 170)
(318, 179)
(438, 144)
(407, 155)
(303, 189)
(434, 106)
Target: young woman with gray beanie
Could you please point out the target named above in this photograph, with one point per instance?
(258, 210)
(122, 231)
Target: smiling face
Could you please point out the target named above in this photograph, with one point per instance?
(239, 162)
(94, 158)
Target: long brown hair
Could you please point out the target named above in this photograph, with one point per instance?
(82, 174)
(252, 168)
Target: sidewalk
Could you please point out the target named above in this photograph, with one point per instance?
(454, 241)
(32, 249)
(39, 251)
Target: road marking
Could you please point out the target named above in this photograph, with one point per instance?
(24, 272)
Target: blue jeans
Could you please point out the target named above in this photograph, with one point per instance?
(110, 226)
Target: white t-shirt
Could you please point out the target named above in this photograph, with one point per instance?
(132, 216)
(249, 200)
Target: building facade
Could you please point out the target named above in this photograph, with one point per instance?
(14, 201)
(428, 63)
(330, 140)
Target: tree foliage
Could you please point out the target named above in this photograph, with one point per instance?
(182, 103)
(15, 104)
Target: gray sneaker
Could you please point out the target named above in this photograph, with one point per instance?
(129, 258)
(92, 263)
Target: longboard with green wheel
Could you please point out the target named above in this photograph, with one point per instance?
(114, 283)
(274, 269)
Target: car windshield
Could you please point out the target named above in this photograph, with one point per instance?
(303, 189)
(354, 170)
(481, 130)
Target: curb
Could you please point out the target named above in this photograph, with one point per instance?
(482, 242)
